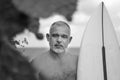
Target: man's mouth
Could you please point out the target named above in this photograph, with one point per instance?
(58, 46)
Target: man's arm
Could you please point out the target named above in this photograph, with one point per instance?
(38, 74)
(35, 67)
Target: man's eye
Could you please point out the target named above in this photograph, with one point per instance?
(55, 35)
(64, 36)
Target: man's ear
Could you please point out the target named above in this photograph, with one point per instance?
(70, 39)
(47, 36)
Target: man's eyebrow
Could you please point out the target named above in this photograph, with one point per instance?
(55, 34)
(59, 34)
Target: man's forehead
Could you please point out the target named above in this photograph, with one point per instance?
(60, 26)
(60, 30)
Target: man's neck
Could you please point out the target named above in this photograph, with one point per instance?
(55, 55)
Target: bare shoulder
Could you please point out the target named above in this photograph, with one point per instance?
(39, 60)
(40, 55)
(72, 56)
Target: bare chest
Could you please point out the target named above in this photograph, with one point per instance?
(58, 70)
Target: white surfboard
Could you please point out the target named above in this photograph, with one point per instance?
(99, 57)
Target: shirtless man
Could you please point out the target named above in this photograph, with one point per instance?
(57, 64)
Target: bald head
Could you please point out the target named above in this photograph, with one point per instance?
(59, 24)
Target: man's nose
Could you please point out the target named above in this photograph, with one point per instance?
(59, 40)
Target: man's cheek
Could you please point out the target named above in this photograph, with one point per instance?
(52, 44)
(66, 45)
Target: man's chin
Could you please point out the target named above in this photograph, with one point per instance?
(60, 51)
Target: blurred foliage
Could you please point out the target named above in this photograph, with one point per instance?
(13, 66)
(46, 8)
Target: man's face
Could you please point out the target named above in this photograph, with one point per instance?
(59, 38)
